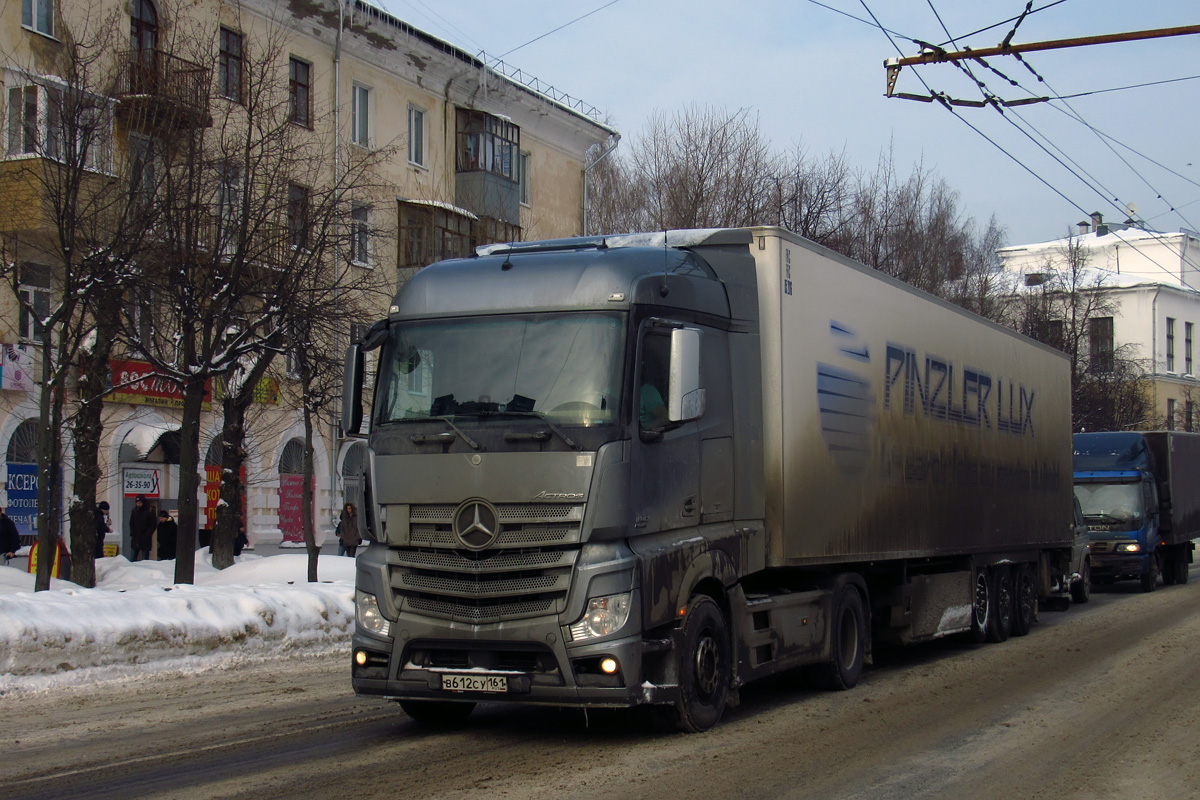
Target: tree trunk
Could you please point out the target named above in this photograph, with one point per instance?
(310, 540)
(189, 480)
(88, 429)
(233, 458)
(47, 543)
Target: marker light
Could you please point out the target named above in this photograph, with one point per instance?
(608, 665)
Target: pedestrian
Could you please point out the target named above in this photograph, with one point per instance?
(10, 538)
(142, 523)
(168, 534)
(347, 531)
(102, 527)
(240, 543)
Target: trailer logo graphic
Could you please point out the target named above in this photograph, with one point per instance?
(476, 523)
(845, 399)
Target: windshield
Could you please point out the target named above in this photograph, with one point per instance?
(1111, 503)
(565, 367)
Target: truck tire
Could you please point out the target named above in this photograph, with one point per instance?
(847, 643)
(705, 666)
(1081, 590)
(1170, 573)
(437, 713)
(1000, 624)
(1150, 576)
(1025, 600)
(981, 606)
(1181, 563)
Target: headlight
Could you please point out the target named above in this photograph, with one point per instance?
(604, 615)
(366, 612)
(1128, 547)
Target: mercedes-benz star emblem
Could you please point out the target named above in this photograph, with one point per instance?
(476, 524)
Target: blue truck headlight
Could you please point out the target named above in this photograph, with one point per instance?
(604, 615)
(1128, 547)
(366, 613)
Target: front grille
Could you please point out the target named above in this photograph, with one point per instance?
(525, 573)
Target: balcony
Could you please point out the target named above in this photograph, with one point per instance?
(157, 90)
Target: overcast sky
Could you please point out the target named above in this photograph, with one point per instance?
(815, 78)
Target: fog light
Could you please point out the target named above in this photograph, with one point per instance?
(608, 665)
(360, 658)
(1128, 547)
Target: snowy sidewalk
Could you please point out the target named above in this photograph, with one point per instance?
(137, 619)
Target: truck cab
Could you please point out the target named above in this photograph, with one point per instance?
(1116, 488)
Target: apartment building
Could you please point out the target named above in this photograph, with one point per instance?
(470, 156)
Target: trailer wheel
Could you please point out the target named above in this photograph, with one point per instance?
(847, 643)
(1025, 600)
(705, 667)
(437, 713)
(981, 606)
(1181, 563)
(1081, 590)
(1000, 625)
(1150, 576)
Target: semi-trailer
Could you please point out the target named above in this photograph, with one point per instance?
(650, 468)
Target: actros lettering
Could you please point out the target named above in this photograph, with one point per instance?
(943, 391)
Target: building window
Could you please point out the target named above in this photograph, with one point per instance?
(1189, 416)
(145, 168)
(525, 178)
(360, 234)
(488, 143)
(416, 136)
(297, 215)
(1100, 344)
(229, 73)
(300, 92)
(1187, 348)
(229, 206)
(39, 124)
(360, 115)
(1170, 344)
(1171, 414)
(38, 15)
(35, 301)
(430, 233)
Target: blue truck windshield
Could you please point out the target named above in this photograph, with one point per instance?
(566, 367)
(1111, 504)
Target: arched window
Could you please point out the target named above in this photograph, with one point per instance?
(22, 447)
(291, 491)
(291, 461)
(144, 26)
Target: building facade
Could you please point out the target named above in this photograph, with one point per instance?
(1151, 281)
(472, 157)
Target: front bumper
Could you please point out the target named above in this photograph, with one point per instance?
(533, 665)
(1114, 565)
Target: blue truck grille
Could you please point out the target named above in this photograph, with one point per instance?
(526, 572)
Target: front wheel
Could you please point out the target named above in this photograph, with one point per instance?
(1150, 576)
(1081, 590)
(705, 666)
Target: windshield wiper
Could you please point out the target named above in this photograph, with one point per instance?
(419, 438)
(536, 415)
(1103, 518)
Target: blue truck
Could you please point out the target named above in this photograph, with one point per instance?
(1140, 495)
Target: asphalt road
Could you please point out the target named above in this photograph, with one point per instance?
(1101, 701)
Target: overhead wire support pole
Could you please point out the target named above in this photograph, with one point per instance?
(933, 55)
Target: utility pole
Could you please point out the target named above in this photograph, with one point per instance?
(936, 55)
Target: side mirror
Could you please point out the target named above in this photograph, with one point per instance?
(352, 382)
(686, 399)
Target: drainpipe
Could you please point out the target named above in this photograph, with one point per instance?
(1154, 352)
(615, 138)
(334, 429)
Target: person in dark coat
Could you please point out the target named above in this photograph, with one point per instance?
(102, 527)
(168, 534)
(142, 523)
(10, 537)
(347, 530)
(240, 543)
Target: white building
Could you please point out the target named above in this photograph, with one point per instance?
(1153, 282)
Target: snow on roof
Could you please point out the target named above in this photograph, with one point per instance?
(440, 204)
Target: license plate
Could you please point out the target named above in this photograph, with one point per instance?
(475, 683)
